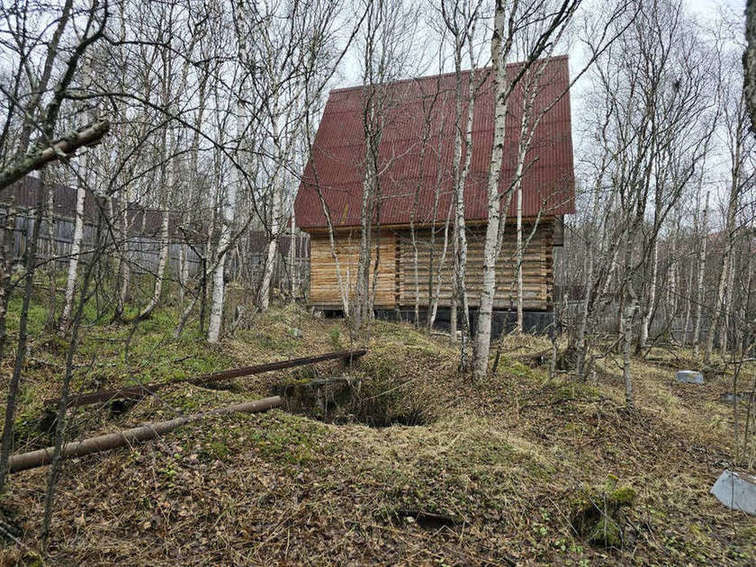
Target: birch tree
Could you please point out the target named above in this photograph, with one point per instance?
(460, 19)
(92, 23)
(749, 62)
(227, 115)
(659, 87)
(740, 148)
(386, 40)
(509, 21)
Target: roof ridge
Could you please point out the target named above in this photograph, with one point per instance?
(441, 75)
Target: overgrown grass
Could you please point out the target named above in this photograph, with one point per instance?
(494, 473)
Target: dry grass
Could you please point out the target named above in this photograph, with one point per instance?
(492, 478)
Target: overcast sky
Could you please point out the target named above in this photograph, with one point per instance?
(707, 13)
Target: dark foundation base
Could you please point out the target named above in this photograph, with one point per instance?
(534, 322)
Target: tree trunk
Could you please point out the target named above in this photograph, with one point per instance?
(588, 287)
(724, 268)
(7, 237)
(217, 299)
(343, 285)
(162, 263)
(360, 313)
(455, 282)
(30, 265)
(292, 257)
(688, 304)
(60, 422)
(727, 308)
(749, 62)
(485, 312)
(648, 315)
(228, 206)
(183, 271)
(700, 298)
(460, 172)
(627, 339)
(73, 262)
(432, 312)
(740, 331)
(49, 254)
(109, 441)
(519, 258)
(263, 295)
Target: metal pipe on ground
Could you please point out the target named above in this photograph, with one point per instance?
(138, 434)
(136, 392)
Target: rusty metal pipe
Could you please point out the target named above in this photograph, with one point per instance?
(141, 390)
(131, 436)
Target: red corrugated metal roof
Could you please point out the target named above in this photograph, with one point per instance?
(337, 161)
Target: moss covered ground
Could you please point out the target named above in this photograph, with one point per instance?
(522, 469)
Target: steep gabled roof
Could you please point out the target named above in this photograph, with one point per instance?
(338, 156)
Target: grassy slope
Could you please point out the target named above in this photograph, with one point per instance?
(507, 460)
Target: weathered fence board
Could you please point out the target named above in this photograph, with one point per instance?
(245, 261)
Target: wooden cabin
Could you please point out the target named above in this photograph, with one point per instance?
(416, 188)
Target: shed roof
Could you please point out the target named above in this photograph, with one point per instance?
(338, 156)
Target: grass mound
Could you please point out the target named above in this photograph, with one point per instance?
(406, 462)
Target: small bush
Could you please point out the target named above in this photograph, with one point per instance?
(334, 335)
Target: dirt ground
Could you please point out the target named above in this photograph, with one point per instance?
(408, 463)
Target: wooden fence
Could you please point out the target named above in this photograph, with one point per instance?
(246, 260)
(607, 321)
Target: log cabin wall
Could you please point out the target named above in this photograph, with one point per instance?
(397, 284)
(537, 268)
(324, 279)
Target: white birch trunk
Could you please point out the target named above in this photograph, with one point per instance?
(651, 295)
(292, 256)
(627, 311)
(460, 173)
(519, 259)
(688, 304)
(700, 280)
(455, 283)
(485, 313)
(228, 206)
(263, 295)
(73, 262)
(441, 264)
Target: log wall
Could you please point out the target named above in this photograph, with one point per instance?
(399, 283)
(324, 280)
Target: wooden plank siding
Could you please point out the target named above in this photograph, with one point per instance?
(537, 269)
(397, 281)
(324, 280)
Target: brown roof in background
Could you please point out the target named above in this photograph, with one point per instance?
(337, 160)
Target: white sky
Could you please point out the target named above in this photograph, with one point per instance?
(707, 12)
